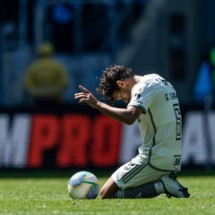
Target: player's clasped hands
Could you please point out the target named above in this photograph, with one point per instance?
(86, 96)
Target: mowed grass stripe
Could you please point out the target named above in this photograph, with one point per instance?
(50, 196)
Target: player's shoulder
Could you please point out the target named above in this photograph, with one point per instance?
(148, 80)
(151, 76)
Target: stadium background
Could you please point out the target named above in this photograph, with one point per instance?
(168, 37)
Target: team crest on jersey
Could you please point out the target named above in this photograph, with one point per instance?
(140, 90)
(138, 96)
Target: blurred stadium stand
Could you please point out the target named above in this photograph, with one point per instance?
(169, 39)
(163, 36)
(85, 33)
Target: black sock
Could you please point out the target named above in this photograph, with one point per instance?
(143, 191)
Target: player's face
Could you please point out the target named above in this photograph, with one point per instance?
(123, 95)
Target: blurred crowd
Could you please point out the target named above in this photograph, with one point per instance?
(45, 78)
(72, 28)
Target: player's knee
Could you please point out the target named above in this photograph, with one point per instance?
(105, 194)
(109, 189)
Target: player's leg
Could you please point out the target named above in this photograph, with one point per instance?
(137, 179)
(109, 189)
(134, 179)
(142, 191)
(168, 184)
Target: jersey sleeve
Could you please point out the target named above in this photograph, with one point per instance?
(141, 96)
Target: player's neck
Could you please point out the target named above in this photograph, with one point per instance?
(131, 81)
(137, 78)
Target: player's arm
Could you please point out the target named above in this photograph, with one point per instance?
(125, 115)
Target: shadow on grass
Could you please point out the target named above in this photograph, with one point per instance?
(62, 173)
(50, 173)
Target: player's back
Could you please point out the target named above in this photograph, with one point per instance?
(160, 125)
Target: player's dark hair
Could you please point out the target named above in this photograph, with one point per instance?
(107, 82)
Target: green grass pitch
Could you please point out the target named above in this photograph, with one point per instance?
(46, 194)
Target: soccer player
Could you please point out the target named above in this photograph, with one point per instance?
(153, 102)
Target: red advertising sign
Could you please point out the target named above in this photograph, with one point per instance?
(78, 140)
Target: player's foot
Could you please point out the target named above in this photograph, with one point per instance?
(172, 187)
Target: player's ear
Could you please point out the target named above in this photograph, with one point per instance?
(120, 83)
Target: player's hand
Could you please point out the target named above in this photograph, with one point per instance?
(86, 96)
